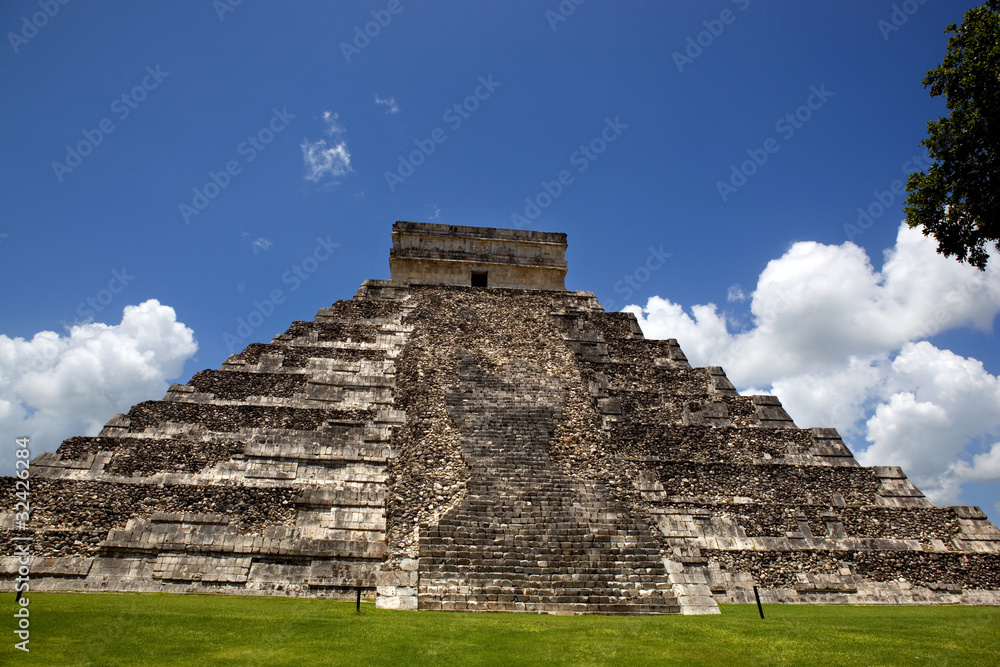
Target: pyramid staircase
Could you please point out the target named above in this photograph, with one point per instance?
(528, 537)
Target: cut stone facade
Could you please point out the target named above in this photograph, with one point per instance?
(430, 254)
(493, 449)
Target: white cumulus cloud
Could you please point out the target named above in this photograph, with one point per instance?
(53, 387)
(843, 344)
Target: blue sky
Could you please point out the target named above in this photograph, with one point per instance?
(212, 155)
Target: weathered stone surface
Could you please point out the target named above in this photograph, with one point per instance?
(493, 449)
(455, 255)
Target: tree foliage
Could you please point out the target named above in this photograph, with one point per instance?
(955, 200)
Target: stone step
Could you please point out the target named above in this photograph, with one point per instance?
(527, 537)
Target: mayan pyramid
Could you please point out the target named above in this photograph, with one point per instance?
(469, 435)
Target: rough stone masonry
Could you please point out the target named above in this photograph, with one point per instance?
(469, 435)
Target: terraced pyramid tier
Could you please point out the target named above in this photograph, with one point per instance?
(484, 448)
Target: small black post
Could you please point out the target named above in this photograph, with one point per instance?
(759, 608)
(357, 589)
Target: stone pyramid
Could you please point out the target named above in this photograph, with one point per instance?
(470, 435)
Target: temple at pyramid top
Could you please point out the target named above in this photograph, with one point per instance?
(431, 254)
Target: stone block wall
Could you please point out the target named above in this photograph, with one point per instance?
(739, 496)
(432, 254)
(266, 476)
(452, 447)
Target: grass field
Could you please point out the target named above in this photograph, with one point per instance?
(153, 629)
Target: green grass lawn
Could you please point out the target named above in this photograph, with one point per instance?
(153, 629)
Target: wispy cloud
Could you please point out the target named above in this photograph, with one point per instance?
(333, 124)
(322, 160)
(257, 244)
(389, 103)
